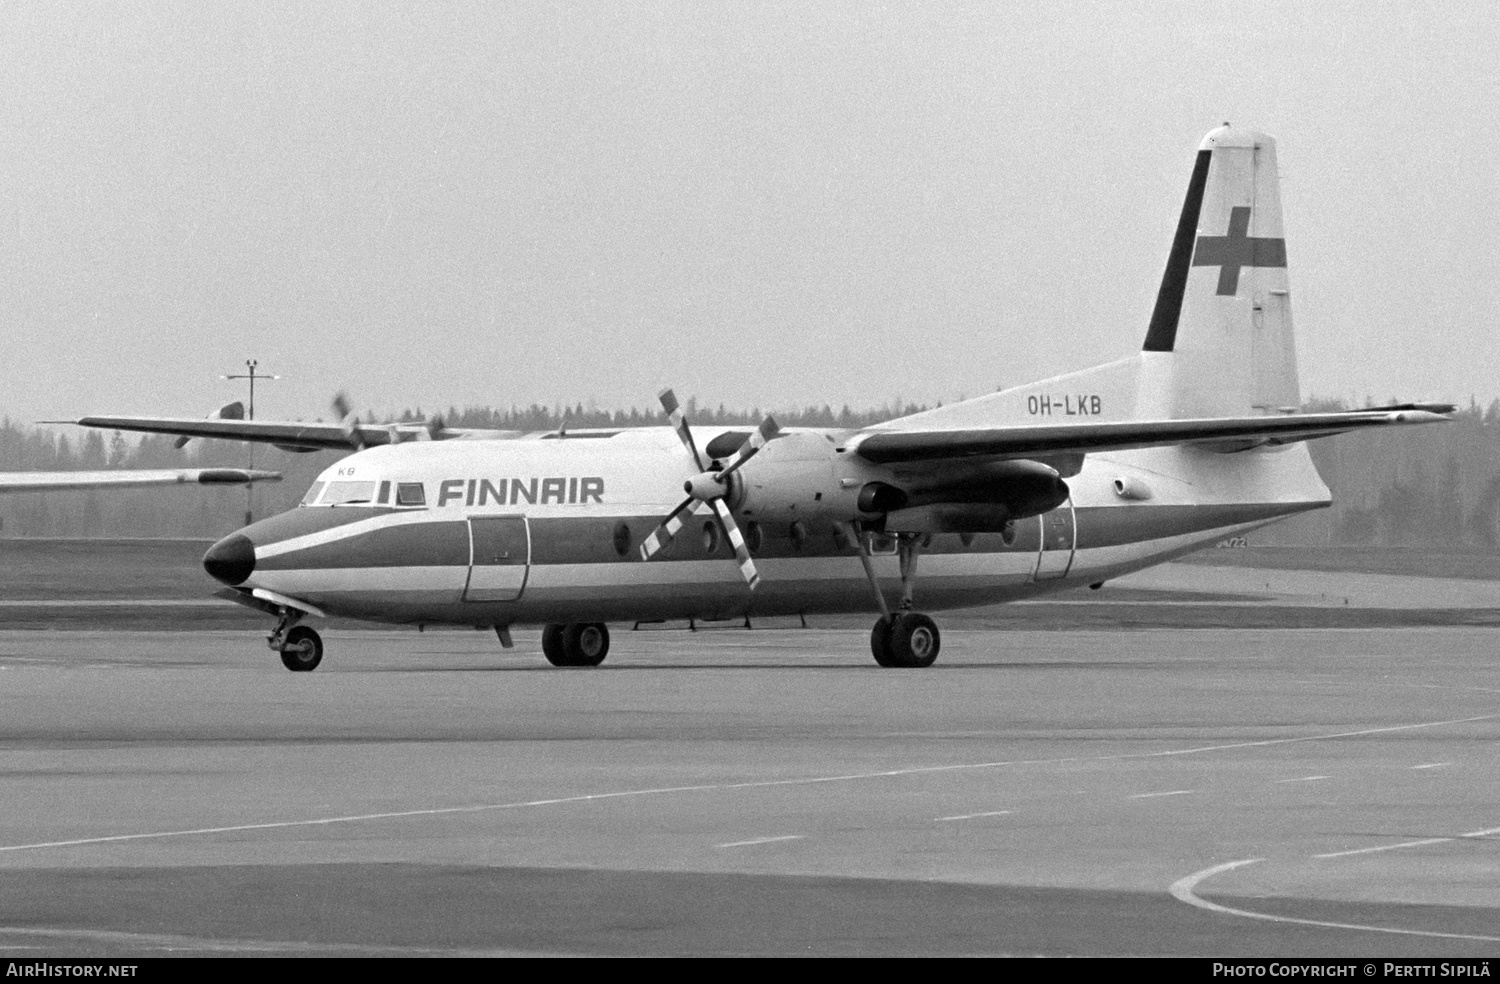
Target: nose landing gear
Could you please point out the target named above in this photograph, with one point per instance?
(576, 644)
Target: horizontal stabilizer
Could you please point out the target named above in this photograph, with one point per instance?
(1225, 433)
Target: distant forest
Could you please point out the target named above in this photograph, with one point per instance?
(1432, 487)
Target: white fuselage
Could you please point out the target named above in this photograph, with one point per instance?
(535, 530)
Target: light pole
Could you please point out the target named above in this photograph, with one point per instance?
(251, 375)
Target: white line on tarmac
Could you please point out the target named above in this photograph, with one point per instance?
(1182, 891)
(1433, 765)
(724, 787)
(180, 944)
(1302, 779)
(1416, 843)
(762, 840)
(973, 816)
(1173, 792)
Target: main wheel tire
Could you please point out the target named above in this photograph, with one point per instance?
(585, 643)
(880, 641)
(915, 640)
(302, 651)
(552, 645)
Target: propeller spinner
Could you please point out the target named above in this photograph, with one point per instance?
(709, 486)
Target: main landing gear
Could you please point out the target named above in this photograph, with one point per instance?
(905, 638)
(576, 644)
(301, 648)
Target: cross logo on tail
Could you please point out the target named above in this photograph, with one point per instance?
(1237, 249)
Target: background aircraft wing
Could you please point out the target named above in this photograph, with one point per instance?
(292, 435)
(1219, 433)
(127, 478)
(287, 435)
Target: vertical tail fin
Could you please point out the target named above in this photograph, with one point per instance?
(1220, 339)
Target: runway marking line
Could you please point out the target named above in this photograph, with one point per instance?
(763, 840)
(1472, 835)
(1173, 792)
(178, 944)
(1183, 891)
(973, 816)
(1433, 765)
(719, 787)
(1303, 779)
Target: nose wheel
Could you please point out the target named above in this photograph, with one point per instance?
(576, 644)
(302, 651)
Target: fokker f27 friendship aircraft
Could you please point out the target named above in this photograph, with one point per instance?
(1070, 481)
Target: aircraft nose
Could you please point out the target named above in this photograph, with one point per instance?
(231, 560)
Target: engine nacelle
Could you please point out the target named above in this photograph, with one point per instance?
(1023, 487)
(793, 478)
(802, 476)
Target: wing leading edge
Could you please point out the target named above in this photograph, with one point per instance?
(1219, 433)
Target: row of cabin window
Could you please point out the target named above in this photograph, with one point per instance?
(880, 543)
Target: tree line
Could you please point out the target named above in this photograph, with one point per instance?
(1437, 486)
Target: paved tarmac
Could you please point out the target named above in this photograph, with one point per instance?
(1251, 585)
(1199, 792)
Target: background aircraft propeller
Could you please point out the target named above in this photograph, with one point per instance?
(709, 486)
(349, 420)
(433, 429)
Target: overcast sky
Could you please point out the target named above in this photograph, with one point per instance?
(759, 204)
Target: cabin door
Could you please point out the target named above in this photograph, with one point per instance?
(1059, 535)
(499, 556)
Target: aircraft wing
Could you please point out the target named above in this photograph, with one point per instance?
(287, 435)
(1220, 433)
(127, 478)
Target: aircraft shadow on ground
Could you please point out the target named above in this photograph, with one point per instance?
(940, 666)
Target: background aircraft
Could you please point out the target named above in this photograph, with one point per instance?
(1069, 481)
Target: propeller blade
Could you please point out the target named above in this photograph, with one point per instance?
(435, 427)
(349, 420)
(741, 552)
(679, 424)
(767, 431)
(662, 535)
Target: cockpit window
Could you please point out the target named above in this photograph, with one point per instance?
(312, 493)
(348, 493)
(410, 494)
